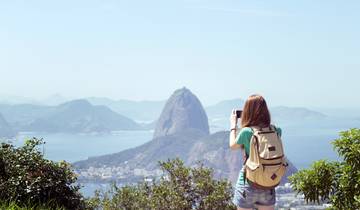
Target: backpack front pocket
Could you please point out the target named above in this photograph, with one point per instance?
(272, 173)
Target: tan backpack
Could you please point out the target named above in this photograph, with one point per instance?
(266, 164)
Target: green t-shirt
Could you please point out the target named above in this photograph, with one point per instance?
(244, 138)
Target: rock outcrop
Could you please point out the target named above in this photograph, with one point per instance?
(182, 112)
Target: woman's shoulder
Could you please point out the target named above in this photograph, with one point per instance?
(244, 135)
(246, 130)
(249, 130)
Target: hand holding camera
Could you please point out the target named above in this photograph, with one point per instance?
(235, 115)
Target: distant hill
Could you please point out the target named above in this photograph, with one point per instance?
(147, 111)
(21, 116)
(81, 116)
(219, 115)
(284, 113)
(146, 155)
(223, 108)
(74, 116)
(5, 130)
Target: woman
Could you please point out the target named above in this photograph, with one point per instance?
(255, 113)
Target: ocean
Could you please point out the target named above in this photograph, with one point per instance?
(75, 147)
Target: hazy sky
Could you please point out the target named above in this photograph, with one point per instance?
(297, 53)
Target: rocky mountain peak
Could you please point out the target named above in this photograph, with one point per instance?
(183, 111)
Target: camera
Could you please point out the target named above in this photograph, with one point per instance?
(238, 113)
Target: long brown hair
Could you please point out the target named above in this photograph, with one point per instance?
(255, 112)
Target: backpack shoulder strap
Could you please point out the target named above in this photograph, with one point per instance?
(253, 130)
(274, 128)
(254, 138)
(279, 136)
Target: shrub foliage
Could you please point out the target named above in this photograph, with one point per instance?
(181, 187)
(28, 179)
(335, 182)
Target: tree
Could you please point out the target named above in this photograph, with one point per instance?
(28, 179)
(335, 182)
(181, 187)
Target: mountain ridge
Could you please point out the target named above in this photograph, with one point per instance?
(74, 116)
(81, 116)
(145, 110)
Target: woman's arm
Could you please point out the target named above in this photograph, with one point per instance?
(233, 144)
(233, 131)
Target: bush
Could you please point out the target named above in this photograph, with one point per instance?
(181, 188)
(28, 179)
(334, 182)
(14, 206)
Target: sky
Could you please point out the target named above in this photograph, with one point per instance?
(295, 53)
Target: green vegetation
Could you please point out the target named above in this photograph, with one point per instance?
(29, 180)
(335, 182)
(14, 206)
(181, 187)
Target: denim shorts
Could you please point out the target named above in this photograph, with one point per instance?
(246, 196)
